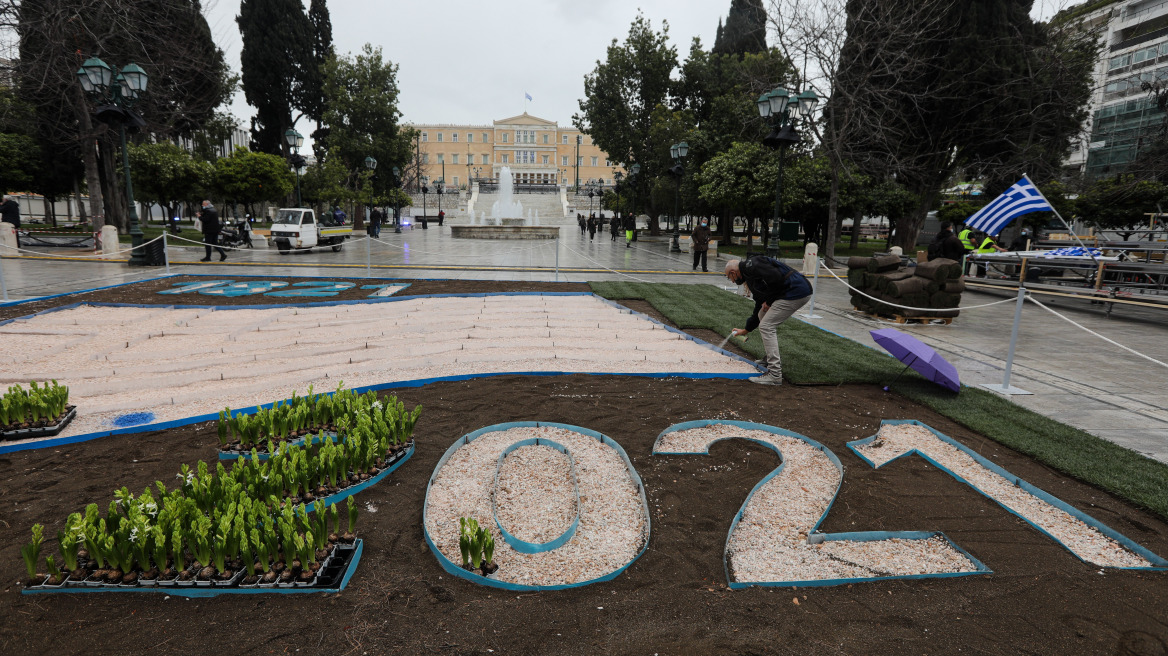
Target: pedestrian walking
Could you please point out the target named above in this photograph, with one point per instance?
(592, 227)
(583, 225)
(211, 229)
(701, 244)
(630, 230)
(614, 227)
(375, 218)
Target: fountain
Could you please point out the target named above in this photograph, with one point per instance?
(507, 220)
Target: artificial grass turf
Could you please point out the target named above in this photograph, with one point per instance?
(815, 356)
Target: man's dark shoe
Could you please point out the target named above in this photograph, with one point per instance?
(205, 259)
(222, 257)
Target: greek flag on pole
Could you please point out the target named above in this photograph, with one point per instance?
(1022, 198)
(527, 95)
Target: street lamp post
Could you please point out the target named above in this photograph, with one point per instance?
(396, 210)
(678, 151)
(295, 140)
(371, 165)
(121, 89)
(578, 140)
(618, 189)
(425, 190)
(635, 179)
(783, 107)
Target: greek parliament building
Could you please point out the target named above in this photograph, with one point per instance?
(538, 151)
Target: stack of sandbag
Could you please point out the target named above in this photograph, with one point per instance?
(934, 286)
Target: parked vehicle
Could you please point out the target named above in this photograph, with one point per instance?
(298, 228)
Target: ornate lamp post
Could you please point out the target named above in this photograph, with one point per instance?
(396, 187)
(618, 188)
(783, 107)
(295, 140)
(371, 165)
(635, 180)
(425, 190)
(578, 140)
(118, 90)
(678, 151)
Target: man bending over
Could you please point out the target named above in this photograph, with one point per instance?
(777, 290)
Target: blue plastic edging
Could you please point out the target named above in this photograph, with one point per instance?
(1158, 563)
(354, 489)
(864, 536)
(455, 570)
(203, 593)
(523, 546)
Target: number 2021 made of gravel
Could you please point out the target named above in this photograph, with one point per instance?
(673, 600)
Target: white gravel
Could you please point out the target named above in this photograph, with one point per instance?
(613, 527)
(535, 497)
(1082, 540)
(770, 545)
(179, 362)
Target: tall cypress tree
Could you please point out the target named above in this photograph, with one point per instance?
(276, 61)
(745, 29)
(322, 49)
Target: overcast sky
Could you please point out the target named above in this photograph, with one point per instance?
(468, 61)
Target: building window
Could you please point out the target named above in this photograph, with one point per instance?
(456, 180)
(545, 138)
(565, 140)
(425, 137)
(594, 161)
(441, 158)
(580, 161)
(425, 158)
(504, 137)
(607, 162)
(565, 159)
(454, 158)
(506, 158)
(545, 159)
(470, 137)
(454, 136)
(486, 138)
(439, 137)
(486, 159)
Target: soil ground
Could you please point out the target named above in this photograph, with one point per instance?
(1040, 598)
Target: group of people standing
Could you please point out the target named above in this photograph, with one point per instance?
(957, 245)
(594, 224)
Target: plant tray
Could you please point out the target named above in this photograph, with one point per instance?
(44, 431)
(333, 578)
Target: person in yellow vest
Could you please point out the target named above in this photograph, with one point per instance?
(966, 237)
(987, 245)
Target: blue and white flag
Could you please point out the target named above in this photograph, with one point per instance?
(1022, 198)
(527, 95)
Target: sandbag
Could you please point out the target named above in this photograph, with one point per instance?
(954, 286)
(939, 269)
(909, 285)
(856, 262)
(883, 263)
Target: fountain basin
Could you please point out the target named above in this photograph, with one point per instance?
(504, 232)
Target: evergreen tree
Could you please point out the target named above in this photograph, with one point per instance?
(276, 61)
(745, 29)
(322, 49)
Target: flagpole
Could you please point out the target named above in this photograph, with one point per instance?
(1060, 218)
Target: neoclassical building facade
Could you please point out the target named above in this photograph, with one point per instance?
(537, 150)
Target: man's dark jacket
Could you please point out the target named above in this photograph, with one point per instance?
(10, 212)
(770, 280)
(951, 246)
(210, 219)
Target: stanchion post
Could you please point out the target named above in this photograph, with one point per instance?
(3, 285)
(814, 288)
(1005, 388)
(165, 253)
(557, 256)
(367, 257)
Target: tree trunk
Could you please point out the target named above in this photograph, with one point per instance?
(92, 177)
(856, 224)
(909, 227)
(827, 248)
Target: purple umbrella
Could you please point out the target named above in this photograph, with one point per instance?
(918, 355)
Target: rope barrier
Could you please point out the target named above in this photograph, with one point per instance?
(193, 241)
(906, 307)
(1082, 327)
(74, 257)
